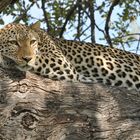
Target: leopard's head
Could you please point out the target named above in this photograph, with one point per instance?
(20, 44)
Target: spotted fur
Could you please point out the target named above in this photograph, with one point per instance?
(31, 48)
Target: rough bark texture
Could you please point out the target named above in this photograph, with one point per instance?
(34, 108)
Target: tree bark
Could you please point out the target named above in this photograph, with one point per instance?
(35, 108)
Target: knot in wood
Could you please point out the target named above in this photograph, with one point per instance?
(29, 121)
(23, 88)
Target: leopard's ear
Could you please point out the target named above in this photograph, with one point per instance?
(36, 25)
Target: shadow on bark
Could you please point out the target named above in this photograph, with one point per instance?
(40, 109)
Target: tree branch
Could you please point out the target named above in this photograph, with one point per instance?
(67, 19)
(44, 109)
(138, 45)
(131, 35)
(114, 3)
(101, 30)
(92, 20)
(45, 15)
(138, 1)
(24, 14)
(79, 21)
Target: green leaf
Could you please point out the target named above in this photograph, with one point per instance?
(1, 22)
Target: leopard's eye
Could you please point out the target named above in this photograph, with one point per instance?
(14, 42)
(32, 41)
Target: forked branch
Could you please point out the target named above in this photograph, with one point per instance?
(107, 35)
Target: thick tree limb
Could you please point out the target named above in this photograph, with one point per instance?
(36, 108)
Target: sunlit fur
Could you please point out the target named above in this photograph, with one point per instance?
(19, 42)
(60, 59)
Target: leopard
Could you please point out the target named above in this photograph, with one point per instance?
(30, 48)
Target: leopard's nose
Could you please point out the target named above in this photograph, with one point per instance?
(27, 58)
